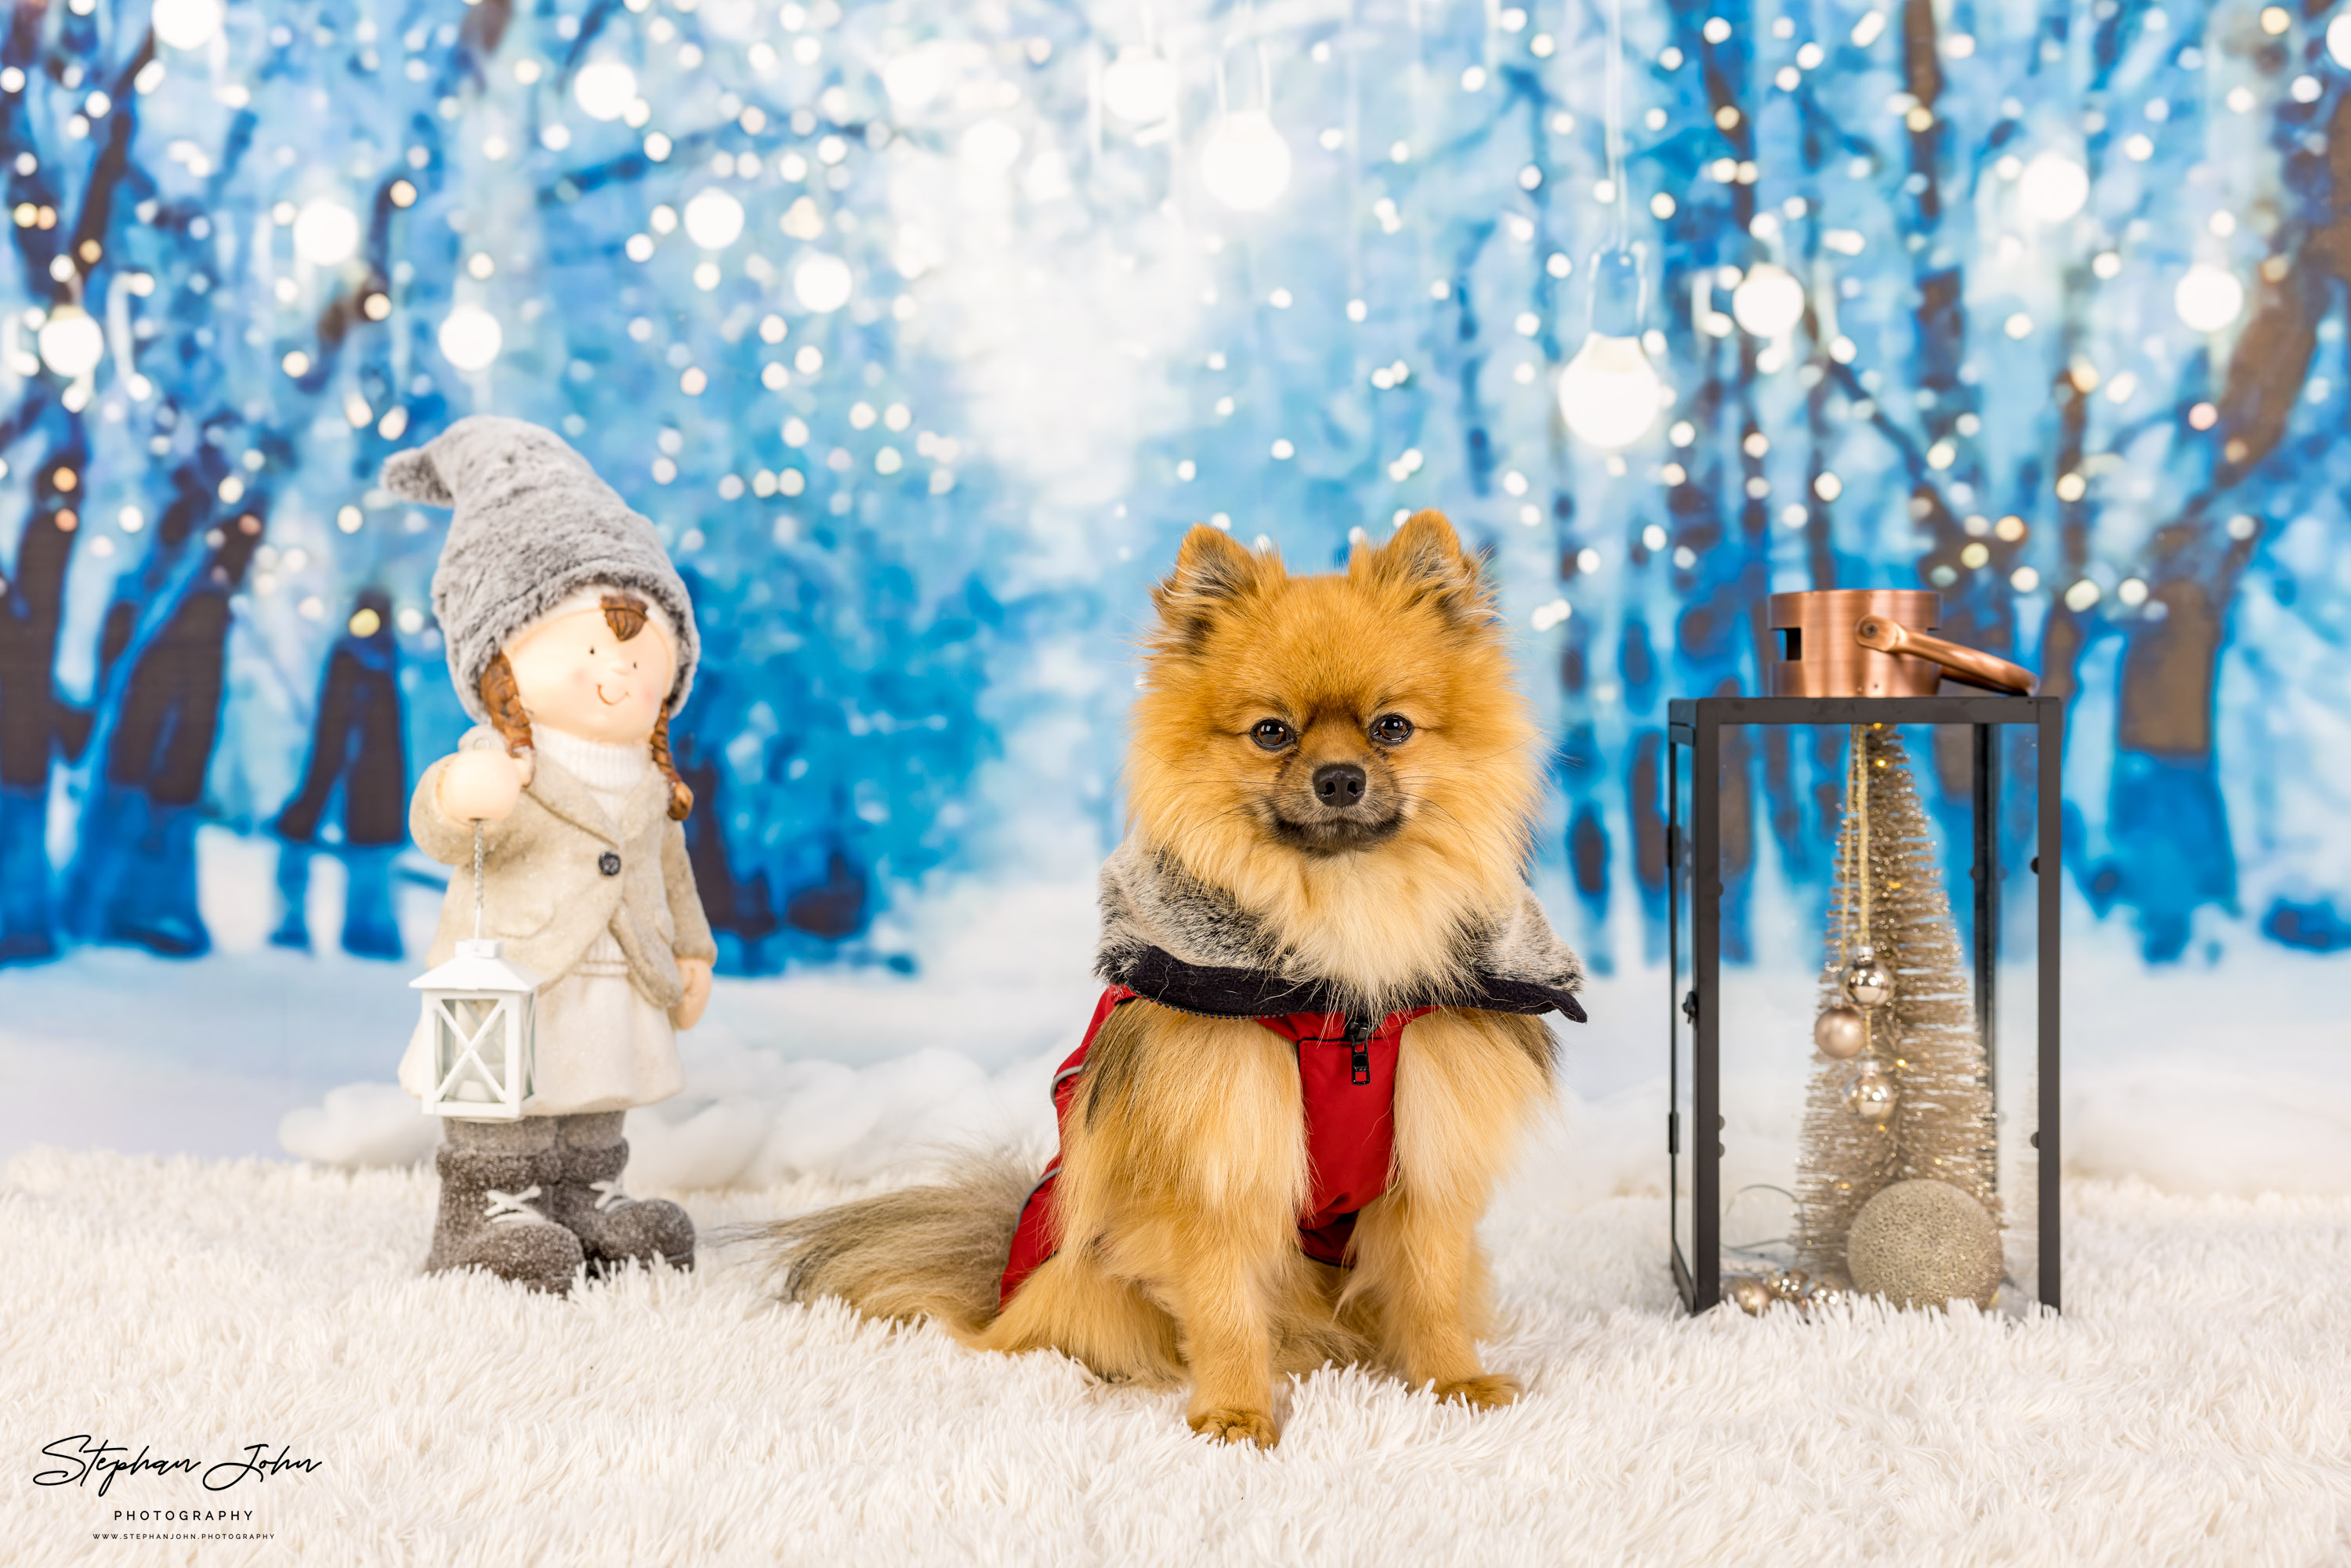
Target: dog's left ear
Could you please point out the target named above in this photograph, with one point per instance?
(1424, 563)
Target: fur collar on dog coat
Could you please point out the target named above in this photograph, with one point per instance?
(1170, 938)
(1176, 939)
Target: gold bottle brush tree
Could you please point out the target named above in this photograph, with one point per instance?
(1901, 1092)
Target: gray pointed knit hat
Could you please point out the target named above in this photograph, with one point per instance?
(533, 525)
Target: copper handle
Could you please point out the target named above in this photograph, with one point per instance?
(1968, 665)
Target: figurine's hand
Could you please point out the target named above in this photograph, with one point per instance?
(482, 786)
(694, 975)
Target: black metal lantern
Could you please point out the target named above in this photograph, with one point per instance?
(1867, 1102)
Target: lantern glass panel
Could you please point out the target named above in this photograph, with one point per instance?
(483, 1040)
(1798, 1098)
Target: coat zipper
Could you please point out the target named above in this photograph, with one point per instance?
(1359, 1038)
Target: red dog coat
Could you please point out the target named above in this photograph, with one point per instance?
(1346, 1081)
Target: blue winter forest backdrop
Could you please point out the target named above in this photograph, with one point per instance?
(925, 331)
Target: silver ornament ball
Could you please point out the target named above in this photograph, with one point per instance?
(1827, 1291)
(1841, 1032)
(1923, 1244)
(1869, 982)
(1871, 1095)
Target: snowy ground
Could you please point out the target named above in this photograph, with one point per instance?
(2187, 1410)
(2234, 1079)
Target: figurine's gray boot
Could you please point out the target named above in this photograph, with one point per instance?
(494, 1187)
(612, 1227)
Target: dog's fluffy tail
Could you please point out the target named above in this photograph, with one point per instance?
(934, 1251)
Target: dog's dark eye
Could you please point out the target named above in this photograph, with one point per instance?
(1272, 733)
(1392, 729)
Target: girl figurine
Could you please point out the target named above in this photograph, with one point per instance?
(572, 642)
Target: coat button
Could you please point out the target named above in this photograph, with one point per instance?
(609, 863)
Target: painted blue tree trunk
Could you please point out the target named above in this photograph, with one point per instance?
(923, 332)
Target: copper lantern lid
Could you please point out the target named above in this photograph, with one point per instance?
(1871, 643)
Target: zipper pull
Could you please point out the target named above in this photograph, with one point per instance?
(1359, 1037)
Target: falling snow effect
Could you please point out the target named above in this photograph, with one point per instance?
(922, 332)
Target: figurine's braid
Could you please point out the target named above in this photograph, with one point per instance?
(503, 703)
(681, 798)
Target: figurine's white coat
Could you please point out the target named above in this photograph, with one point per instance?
(614, 949)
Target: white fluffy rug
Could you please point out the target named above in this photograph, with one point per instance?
(2194, 1405)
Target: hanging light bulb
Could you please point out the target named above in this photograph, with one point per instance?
(2209, 298)
(1139, 86)
(2052, 187)
(1609, 392)
(187, 24)
(326, 233)
(71, 343)
(1769, 301)
(1244, 161)
(822, 281)
(471, 338)
(714, 220)
(604, 88)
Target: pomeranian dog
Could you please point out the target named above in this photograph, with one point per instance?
(1318, 1048)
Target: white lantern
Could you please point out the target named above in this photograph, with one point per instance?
(483, 1015)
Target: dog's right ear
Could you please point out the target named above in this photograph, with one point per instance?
(1212, 574)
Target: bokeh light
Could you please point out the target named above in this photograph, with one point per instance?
(603, 89)
(822, 281)
(326, 232)
(187, 24)
(470, 338)
(71, 343)
(1244, 161)
(2209, 298)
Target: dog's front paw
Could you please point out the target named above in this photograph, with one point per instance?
(1488, 1391)
(1235, 1427)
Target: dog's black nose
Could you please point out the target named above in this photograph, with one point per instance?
(1339, 784)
